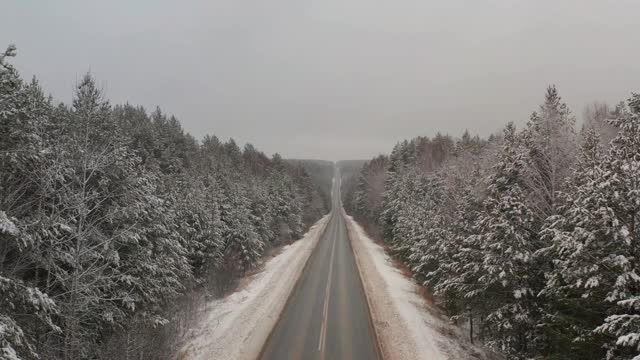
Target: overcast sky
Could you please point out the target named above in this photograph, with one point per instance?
(332, 79)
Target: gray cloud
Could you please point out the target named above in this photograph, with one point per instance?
(332, 78)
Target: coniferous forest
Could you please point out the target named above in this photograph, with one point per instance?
(529, 238)
(113, 220)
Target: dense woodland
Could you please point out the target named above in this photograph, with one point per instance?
(321, 173)
(112, 219)
(531, 237)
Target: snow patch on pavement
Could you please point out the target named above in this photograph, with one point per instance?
(237, 326)
(406, 325)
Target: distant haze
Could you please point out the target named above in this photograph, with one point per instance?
(332, 79)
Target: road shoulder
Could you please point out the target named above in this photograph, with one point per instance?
(238, 325)
(407, 327)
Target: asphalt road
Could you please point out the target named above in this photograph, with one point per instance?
(326, 316)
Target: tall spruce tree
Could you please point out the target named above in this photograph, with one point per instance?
(576, 285)
(622, 188)
(503, 273)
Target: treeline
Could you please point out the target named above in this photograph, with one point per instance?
(110, 217)
(531, 237)
(321, 173)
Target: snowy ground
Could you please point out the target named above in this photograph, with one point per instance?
(237, 326)
(406, 325)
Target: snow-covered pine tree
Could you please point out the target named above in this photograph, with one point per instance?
(596, 116)
(429, 242)
(503, 272)
(18, 338)
(287, 204)
(458, 284)
(199, 210)
(404, 211)
(621, 186)
(370, 188)
(463, 183)
(398, 161)
(308, 198)
(25, 311)
(94, 174)
(551, 146)
(580, 241)
(262, 212)
(141, 132)
(242, 245)
(18, 335)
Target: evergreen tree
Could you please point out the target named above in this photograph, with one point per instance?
(550, 142)
(622, 188)
(242, 245)
(579, 234)
(504, 271)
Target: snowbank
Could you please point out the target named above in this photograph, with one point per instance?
(237, 326)
(406, 325)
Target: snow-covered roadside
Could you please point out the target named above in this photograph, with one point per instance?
(237, 326)
(404, 322)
